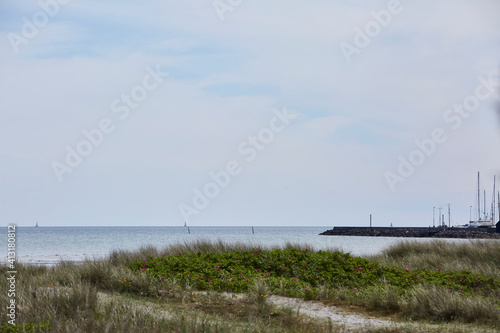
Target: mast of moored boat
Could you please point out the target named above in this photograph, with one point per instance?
(449, 216)
(493, 208)
(484, 204)
(478, 198)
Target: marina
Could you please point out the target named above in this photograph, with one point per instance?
(483, 227)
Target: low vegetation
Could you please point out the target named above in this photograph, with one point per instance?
(184, 288)
(300, 273)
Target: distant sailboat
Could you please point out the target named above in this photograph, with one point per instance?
(36, 225)
(185, 225)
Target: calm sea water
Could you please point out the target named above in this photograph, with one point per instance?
(49, 245)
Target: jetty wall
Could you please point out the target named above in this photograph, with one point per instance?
(432, 232)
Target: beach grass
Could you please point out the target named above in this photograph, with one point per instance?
(106, 296)
(118, 295)
(478, 256)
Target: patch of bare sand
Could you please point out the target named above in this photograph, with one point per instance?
(322, 311)
(359, 322)
(336, 314)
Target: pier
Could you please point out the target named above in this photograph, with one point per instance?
(417, 232)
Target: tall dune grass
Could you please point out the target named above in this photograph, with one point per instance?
(436, 303)
(479, 256)
(124, 257)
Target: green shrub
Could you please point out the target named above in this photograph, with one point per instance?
(299, 272)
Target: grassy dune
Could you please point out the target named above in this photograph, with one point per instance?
(169, 290)
(482, 257)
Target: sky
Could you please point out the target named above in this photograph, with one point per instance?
(247, 113)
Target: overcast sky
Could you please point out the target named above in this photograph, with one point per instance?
(305, 112)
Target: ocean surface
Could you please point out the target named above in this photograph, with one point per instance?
(49, 245)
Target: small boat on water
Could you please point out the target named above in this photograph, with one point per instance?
(36, 225)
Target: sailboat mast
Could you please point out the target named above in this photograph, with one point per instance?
(478, 199)
(484, 203)
(493, 212)
(449, 216)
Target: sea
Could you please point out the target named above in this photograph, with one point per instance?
(50, 245)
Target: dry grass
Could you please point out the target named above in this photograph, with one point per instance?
(480, 256)
(434, 303)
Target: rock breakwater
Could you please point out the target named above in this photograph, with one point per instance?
(429, 232)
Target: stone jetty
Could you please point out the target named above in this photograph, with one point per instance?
(428, 232)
